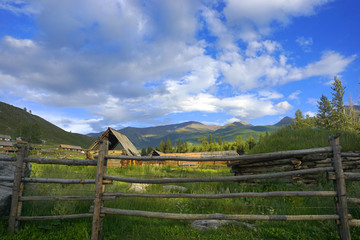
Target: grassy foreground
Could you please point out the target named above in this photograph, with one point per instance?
(122, 227)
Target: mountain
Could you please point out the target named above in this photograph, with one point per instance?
(190, 131)
(285, 121)
(11, 118)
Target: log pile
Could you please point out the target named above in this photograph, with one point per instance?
(351, 163)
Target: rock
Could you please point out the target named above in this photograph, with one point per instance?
(138, 187)
(215, 224)
(174, 187)
(6, 169)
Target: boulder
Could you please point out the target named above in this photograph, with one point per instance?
(174, 188)
(138, 187)
(215, 224)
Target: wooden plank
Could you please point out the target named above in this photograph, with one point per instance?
(354, 200)
(59, 180)
(16, 188)
(57, 217)
(69, 162)
(218, 179)
(234, 159)
(218, 216)
(354, 222)
(228, 195)
(340, 188)
(96, 231)
(348, 176)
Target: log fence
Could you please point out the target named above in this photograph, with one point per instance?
(97, 212)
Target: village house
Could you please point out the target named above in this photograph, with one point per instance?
(5, 142)
(70, 148)
(5, 138)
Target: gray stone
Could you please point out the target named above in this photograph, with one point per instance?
(138, 187)
(175, 188)
(215, 224)
(6, 169)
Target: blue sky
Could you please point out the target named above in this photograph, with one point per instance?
(85, 65)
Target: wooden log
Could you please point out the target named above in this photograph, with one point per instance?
(354, 200)
(7, 158)
(354, 222)
(70, 162)
(6, 179)
(59, 180)
(57, 217)
(96, 231)
(217, 216)
(340, 188)
(228, 195)
(61, 198)
(233, 159)
(217, 179)
(348, 176)
(350, 154)
(275, 162)
(13, 223)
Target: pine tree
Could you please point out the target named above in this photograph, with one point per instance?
(168, 146)
(251, 142)
(219, 141)
(339, 120)
(162, 146)
(210, 139)
(324, 113)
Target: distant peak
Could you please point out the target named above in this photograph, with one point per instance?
(285, 121)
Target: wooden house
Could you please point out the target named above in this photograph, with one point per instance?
(70, 147)
(6, 145)
(193, 154)
(4, 137)
(116, 138)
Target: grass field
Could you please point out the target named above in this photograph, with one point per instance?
(122, 227)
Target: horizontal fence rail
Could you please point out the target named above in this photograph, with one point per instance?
(228, 195)
(217, 216)
(218, 179)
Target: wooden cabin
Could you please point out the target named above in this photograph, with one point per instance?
(116, 138)
(6, 145)
(70, 147)
(192, 154)
(4, 137)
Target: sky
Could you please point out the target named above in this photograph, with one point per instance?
(86, 65)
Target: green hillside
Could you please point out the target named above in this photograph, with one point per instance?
(293, 139)
(191, 132)
(11, 118)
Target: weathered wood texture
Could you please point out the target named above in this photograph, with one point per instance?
(229, 195)
(348, 176)
(61, 198)
(59, 180)
(96, 232)
(7, 158)
(354, 222)
(340, 188)
(15, 209)
(69, 162)
(57, 217)
(217, 179)
(354, 200)
(218, 216)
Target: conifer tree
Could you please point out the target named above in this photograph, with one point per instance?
(324, 113)
(339, 120)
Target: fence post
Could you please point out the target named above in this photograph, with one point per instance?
(96, 232)
(340, 188)
(18, 187)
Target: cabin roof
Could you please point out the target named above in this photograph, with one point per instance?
(6, 143)
(115, 138)
(5, 136)
(70, 146)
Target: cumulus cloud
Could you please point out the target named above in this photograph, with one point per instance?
(127, 61)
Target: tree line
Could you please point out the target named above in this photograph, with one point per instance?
(207, 144)
(332, 114)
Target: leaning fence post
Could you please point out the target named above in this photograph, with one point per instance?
(96, 232)
(15, 209)
(340, 188)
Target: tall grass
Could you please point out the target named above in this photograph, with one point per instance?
(122, 227)
(290, 139)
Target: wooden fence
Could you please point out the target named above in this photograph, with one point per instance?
(98, 211)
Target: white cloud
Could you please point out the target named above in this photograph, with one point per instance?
(295, 95)
(257, 15)
(305, 43)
